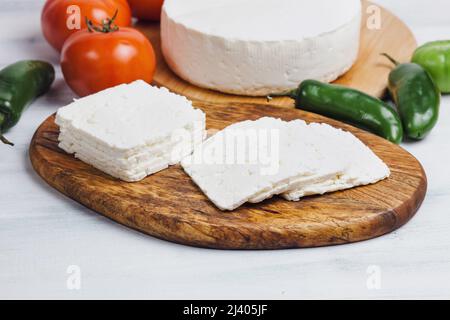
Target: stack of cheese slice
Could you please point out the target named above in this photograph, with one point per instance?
(251, 161)
(259, 47)
(132, 130)
(362, 166)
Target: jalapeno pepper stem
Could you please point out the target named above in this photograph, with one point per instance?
(6, 141)
(291, 94)
(2, 138)
(391, 59)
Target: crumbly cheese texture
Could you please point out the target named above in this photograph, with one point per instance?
(309, 159)
(259, 47)
(285, 156)
(132, 130)
(363, 167)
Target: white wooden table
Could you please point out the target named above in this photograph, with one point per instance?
(42, 233)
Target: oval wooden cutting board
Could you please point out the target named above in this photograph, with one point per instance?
(168, 205)
(369, 73)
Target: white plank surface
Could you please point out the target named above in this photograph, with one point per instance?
(42, 233)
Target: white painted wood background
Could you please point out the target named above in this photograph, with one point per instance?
(42, 233)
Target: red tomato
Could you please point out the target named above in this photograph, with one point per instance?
(146, 9)
(61, 18)
(94, 61)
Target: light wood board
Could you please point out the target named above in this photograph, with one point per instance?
(168, 205)
(369, 74)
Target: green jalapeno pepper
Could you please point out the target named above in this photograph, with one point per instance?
(417, 98)
(20, 84)
(435, 58)
(349, 105)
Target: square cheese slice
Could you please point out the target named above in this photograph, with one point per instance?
(254, 160)
(363, 167)
(132, 130)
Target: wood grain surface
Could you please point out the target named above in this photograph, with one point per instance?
(369, 73)
(168, 205)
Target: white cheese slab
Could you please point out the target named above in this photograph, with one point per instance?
(298, 184)
(135, 164)
(130, 116)
(71, 142)
(132, 175)
(132, 130)
(189, 132)
(363, 166)
(326, 167)
(259, 47)
(292, 155)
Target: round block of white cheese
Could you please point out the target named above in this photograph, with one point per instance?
(259, 47)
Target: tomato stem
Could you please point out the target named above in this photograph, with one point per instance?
(108, 24)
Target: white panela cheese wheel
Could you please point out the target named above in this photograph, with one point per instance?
(259, 47)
